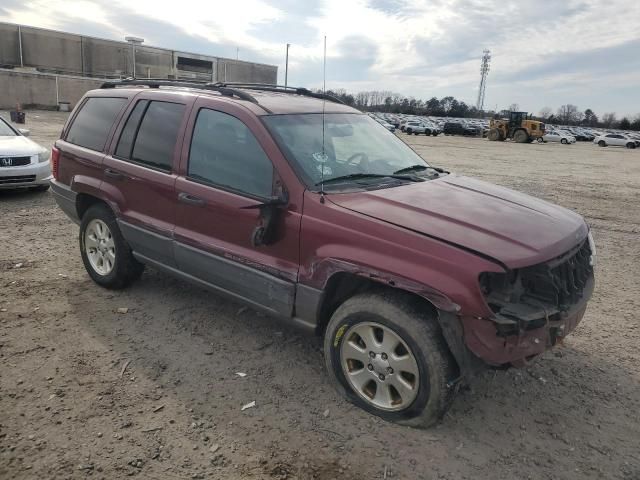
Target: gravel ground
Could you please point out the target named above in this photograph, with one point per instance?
(89, 391)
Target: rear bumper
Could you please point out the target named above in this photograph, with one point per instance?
(66, 199)
(482, 339)
(25, 176)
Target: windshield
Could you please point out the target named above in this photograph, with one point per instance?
(353, 144)
(6, 130)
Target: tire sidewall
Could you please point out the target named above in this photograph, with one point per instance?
(334, 337)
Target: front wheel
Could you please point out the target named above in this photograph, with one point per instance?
(385, 353)
(105, 253)
(602, 143)
(564, 141)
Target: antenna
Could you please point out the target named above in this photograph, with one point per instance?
(324, 94)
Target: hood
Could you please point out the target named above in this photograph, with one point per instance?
(18, 146)
(510, 227)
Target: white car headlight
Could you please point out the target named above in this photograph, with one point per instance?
(592, 247)
(43, 156)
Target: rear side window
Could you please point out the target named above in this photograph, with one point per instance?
(225, 153)
(150, 134)
(93, 122)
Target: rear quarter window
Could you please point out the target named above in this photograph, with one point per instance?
(92, 124)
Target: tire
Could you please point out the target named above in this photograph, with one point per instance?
(540, 140)
(602, 143)
(421, 348)
(564, 141)
(408, 131)
(494, 135)
(631, 145)
(520, 137)
(40, 188)
(118, 268)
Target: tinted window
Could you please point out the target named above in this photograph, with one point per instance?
(93, 122)
(156, 138)
(224, 152)
(128, 135)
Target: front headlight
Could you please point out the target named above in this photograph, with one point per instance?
(43, 156)
(592, 247)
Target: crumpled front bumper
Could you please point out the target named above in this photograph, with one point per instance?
(482, 338)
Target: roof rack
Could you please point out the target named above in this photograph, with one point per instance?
(157, 83)
(267, 87)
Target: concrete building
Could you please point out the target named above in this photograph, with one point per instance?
(35, 62)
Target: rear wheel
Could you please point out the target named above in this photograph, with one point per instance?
(408, 131)
(385, 353)
(521, 136)
(602, 143)
(540, 140)
(105, 253)
(631, 145)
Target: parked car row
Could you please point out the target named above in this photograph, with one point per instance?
(426, 125)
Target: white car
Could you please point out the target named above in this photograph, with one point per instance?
(614, 139)
(558, 136)
(23, 163)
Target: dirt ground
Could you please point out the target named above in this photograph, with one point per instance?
(86, 391)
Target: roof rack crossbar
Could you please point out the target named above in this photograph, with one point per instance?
(268, 87)
(156, 83)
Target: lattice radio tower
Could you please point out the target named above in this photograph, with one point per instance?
(484, 71)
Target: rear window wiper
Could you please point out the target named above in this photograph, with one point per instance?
(353, 176)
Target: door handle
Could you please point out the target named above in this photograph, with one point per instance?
(190, 199)
(113, 174)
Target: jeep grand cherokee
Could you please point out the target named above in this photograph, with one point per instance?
(311, 211)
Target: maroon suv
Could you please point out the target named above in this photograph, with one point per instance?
(307, 209)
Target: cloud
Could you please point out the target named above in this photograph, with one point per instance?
(544, 53)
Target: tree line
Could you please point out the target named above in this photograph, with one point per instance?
(392, 102)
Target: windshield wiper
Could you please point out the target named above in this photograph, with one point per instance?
(419, 167)
(353, 176)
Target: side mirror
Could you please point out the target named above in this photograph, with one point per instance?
(24, 132)
(270, 210)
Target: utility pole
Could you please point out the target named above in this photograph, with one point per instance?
(484, 72)
(286, 66)
(134, 41)
(237, 53)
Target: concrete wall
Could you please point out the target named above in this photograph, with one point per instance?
(9, 49)
(39, 90)
(66, 53)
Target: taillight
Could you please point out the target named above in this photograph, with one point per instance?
(55, 162)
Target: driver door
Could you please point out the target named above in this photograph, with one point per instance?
(225, 174)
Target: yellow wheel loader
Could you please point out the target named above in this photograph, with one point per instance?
(517, 127)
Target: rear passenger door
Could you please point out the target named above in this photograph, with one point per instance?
(140, 173)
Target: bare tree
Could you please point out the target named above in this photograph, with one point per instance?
(569, 114)
(514, 107)
(545, 112)
(608, 119)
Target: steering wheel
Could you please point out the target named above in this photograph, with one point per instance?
(363, 163)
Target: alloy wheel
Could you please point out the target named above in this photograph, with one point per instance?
(100, 247)
(379, 366)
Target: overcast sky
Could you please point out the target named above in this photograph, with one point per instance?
(545, 53)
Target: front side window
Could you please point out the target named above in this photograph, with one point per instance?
(93, 122)
(150, 134)
(353, 144)
(225, 153)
